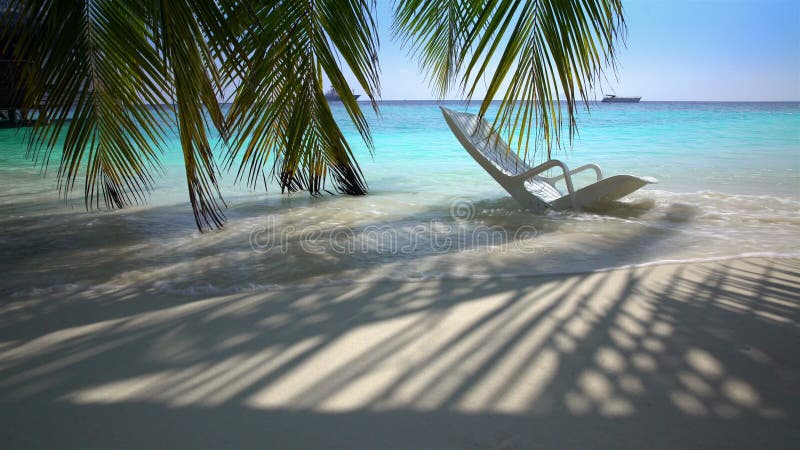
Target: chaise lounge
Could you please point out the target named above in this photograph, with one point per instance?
(525, 184)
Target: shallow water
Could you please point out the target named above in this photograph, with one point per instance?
(729, 184)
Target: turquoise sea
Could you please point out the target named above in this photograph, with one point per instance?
(729, 185)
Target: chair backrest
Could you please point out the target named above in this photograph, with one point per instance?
(493, 154)
(488, 143)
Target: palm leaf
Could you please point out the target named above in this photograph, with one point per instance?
(81, 73)
(532, 52)
(182, 35)
(279, 112)
(97, 66)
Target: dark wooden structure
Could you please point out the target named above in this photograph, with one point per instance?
(12, 113)
(10, 95)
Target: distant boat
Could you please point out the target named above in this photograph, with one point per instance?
(332, 96)
(614, 99)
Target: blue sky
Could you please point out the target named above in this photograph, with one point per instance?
(725, 50)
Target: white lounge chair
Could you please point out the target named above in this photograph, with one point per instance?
(536, 193)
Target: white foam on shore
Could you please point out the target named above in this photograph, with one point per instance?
(424, 278)
(208, 289)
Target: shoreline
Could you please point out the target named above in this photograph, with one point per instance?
(210, 290)
(613, 359)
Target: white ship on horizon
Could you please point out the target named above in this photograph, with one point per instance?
(610, 98)
(332, 96)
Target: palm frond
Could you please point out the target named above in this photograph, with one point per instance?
(93, 62)
(96, 69)
(437, 33)
(186, 35)
(533, 52)
(280, 113)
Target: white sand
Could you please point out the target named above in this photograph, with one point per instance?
(702, 355)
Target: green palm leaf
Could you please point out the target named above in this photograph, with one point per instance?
(530, 51)
(97, 66)
(80, 73)
(279, 112)
(183, 34)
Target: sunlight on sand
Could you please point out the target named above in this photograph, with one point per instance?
(657, 343)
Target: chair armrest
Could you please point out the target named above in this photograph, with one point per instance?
(595, 167)
(528, 174)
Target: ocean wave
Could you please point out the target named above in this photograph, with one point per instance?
(150, 252)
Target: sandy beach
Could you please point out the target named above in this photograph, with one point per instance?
(405, 225)
(688, 355)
